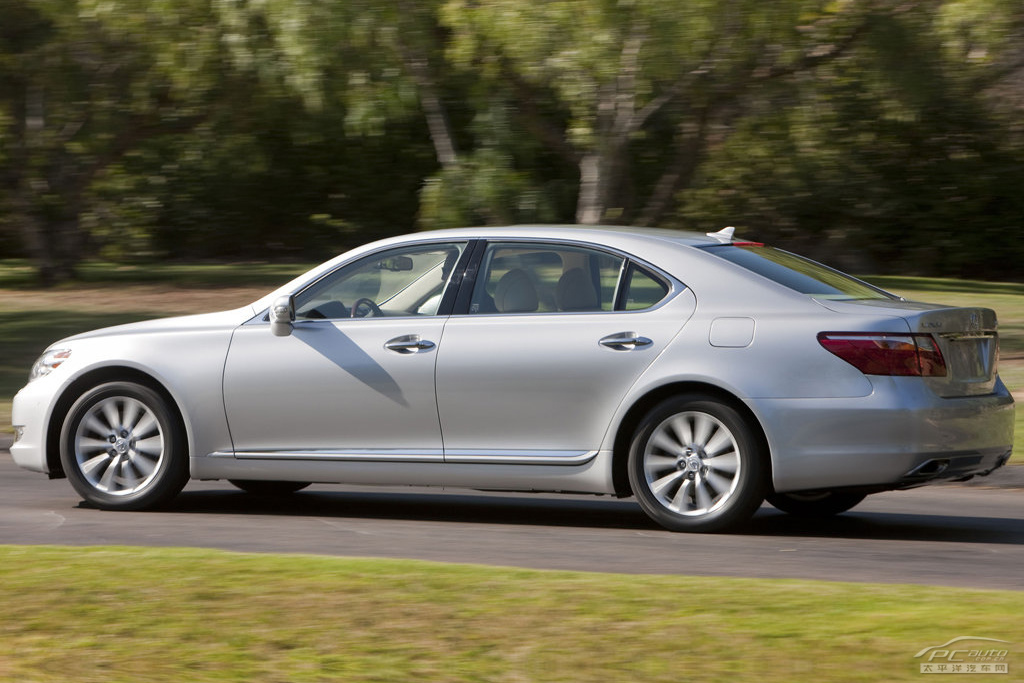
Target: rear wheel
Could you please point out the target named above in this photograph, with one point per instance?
(269, 488)
(697, 465)
(816, 503)
(123, 448)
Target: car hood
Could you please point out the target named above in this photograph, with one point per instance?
(188, 323)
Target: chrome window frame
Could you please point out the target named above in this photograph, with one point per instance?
(449, 292)
(474, 269)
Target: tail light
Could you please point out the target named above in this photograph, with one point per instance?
(915, 355)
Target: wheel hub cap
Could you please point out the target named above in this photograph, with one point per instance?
(692, 463)
(119, 446)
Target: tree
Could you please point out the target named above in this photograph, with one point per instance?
(82, 84)
(622, 71)
(892, 158)
(213, 128)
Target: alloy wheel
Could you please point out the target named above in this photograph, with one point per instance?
(119, 446)
(692, 463)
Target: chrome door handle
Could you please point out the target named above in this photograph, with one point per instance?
(409, 343)
(624, 341)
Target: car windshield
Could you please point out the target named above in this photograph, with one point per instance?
(798, 273)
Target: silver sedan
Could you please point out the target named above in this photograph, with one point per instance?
(698, 373)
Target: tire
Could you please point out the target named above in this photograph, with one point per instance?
(696, 464)
(123, 447)
(269, 488)
(816, 503)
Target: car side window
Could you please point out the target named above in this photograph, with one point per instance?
(397, 282)
(642, 289)
(545, 278)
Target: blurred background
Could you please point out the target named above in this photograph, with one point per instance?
(880, 137)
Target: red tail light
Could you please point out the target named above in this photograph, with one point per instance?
(873, 353)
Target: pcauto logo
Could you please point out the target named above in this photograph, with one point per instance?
(965, 655)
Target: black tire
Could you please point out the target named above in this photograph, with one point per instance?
(123, 447)
(269, 488)
(815, 503)
(695, 464)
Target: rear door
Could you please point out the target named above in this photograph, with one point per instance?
(551, 337)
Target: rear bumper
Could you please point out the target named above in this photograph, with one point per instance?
(957, 466)
(899, 436)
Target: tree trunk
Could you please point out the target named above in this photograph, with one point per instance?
(601, 173)
(590, 204)
(689, 151)
(36, 232)
(433, 108)
(33, 234)
(55, 245)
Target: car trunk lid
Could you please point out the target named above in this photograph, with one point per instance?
(967, 338)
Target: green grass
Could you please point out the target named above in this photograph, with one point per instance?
(137, 615)
(896, 283)
(19, 274)
(1007, 299)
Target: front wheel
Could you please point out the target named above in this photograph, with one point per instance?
(815, 503)
(696, 464)
(123, 448)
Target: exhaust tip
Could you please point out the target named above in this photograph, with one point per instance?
(929, 468)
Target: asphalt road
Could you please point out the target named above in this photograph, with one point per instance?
(947, 535)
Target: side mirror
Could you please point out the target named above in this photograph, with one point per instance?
(282, 315)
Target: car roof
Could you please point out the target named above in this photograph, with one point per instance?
(587, 233)
(633, 240)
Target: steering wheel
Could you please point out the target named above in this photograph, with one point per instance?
(373, 311)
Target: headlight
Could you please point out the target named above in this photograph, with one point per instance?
(48, 362)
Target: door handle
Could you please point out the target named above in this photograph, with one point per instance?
(624, 341)
(410, 343)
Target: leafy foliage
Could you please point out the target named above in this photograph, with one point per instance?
(874, 135)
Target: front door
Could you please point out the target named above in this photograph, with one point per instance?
(355, 379)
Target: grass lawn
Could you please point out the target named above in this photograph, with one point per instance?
(18, 274)
(142, 614)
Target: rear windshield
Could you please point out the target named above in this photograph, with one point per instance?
(796, 272)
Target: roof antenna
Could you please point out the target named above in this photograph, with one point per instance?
(724, 235)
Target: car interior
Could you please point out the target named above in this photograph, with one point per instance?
(529, 280)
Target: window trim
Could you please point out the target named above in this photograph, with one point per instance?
(447, 298)
(630, 268)
(480, 249)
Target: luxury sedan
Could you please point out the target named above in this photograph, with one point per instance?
(698, 373)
